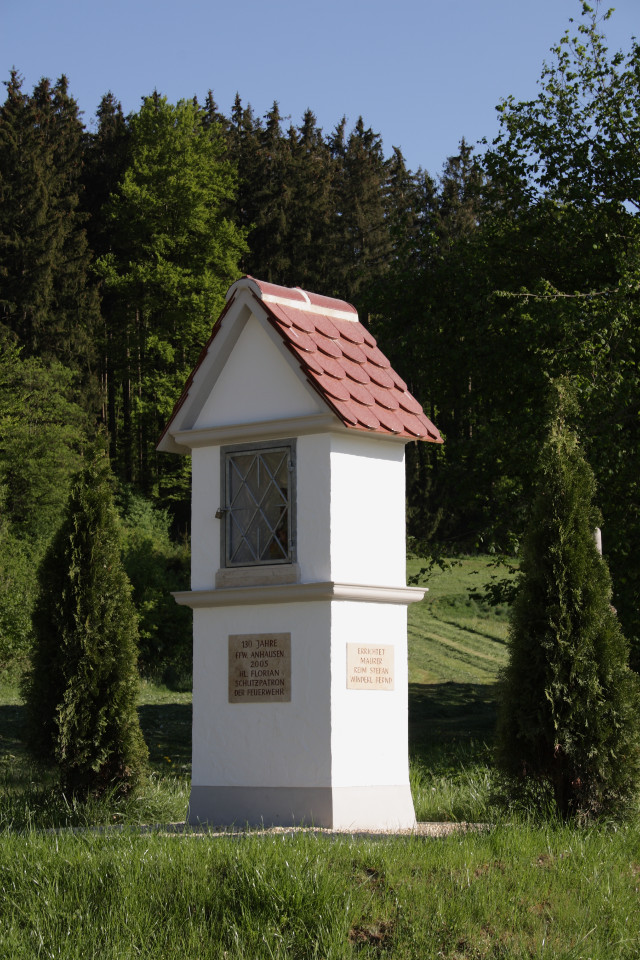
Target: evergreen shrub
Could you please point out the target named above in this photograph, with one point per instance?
(570, 705)
(81, 691)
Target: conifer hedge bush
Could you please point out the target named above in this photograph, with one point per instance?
(81, 690)
(570, 705)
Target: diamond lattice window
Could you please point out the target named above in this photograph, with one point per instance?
(258, 505)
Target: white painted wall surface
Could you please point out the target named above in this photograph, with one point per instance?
(314, 506)
(257, 383)
(369, 728)
(258, 744)
(205, 529)
(367, 510)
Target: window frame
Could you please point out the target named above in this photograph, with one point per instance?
(257, 448)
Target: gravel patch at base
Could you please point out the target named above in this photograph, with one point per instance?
(432, 829)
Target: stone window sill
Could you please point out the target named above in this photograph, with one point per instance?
(257, 576)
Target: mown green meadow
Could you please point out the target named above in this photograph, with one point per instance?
(515, 888)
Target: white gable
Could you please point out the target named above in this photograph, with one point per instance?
(246, 383)
(257, 383)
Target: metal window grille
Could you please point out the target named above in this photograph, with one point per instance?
(258, 505)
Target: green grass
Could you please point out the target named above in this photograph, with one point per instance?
(453, 639)
(456, 649)
(527, 892)
(519, 889)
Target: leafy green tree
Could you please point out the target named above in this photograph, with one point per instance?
(570, 705)
(17, 596)
(42, 433)
(82, 689)
(565, 183)
(176, 251)
(156, 565)
(577, 140)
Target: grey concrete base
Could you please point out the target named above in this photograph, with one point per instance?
(338, 808)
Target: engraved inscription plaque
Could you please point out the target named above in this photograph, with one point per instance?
(260, 668)
(369, 667)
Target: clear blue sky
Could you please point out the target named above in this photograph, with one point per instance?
(421, 73)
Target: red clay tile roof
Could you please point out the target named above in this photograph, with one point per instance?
(340, 360)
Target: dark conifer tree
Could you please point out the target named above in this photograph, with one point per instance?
(400, 312)
(337, 141)
(106, 155)
(311, 219)
(243, 150)
(211, 116)
(271, 193)
(461, 193)
(433, 309)
(570, 705)
(48, 298)
(26, 235)
(361, 235)
(82, 690)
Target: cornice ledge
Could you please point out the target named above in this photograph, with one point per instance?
(298, 593)
(262, 430)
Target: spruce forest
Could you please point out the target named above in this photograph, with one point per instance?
(516, 264)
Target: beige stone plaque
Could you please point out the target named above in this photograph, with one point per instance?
(370, 667)
(260, 668)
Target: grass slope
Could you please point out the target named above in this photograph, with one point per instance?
(456, 649)
(451, 637)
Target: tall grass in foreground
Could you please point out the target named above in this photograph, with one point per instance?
(532, 892)
(39, 803)
(454, 785)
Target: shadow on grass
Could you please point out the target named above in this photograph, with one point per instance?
(167, 732)
(440, 714)
(12, 722)
(443, 713)
(166, 728)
